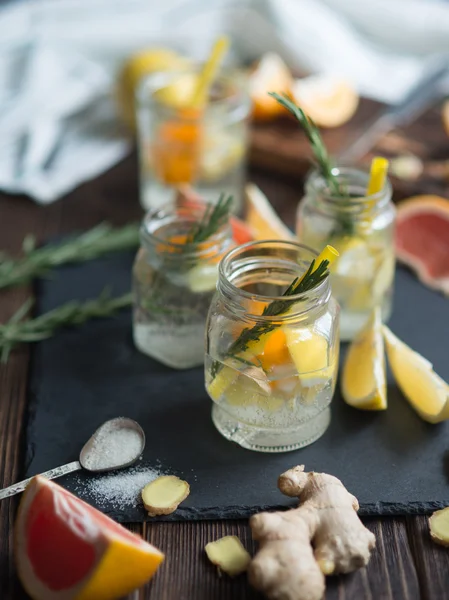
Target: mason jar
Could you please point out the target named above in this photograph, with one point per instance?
(361, 228)
(271, 363)
(203, 148)
(173, 284)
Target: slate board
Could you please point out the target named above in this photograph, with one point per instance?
(392, 461)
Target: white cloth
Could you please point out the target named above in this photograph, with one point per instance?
(59, 60)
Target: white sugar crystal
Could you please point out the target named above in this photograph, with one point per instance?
(114, 445)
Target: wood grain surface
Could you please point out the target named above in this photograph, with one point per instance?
(406, 565)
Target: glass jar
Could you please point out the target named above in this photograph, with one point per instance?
(173, 284)
(271, 393)
(178, 146)
(361, 228)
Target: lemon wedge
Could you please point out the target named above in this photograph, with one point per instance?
(363, 381)
(309, 352)
(426, 391)
(262, 218)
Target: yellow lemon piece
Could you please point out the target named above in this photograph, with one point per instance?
(363, 380)
(136, 68)
(179, 93)
(310, 353)
(426, 391)
(222, 380)
(262, 218)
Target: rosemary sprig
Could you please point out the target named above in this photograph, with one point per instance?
(300, 285)
(214, 217)
(324, 162)
(17, 331)
(38, 261)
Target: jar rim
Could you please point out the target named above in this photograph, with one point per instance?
(316, 180)
(319, 292)
(167, 215)
(158, 80)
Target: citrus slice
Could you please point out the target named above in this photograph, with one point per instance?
(262, 218)
(445, 116)
(67, 550)
(270, 75)
(136, 68)
(422, 239)
(363, 382)
(426, 391)
(310, 353)
(327, 100)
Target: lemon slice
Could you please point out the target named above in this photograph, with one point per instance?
(363, 381)
(426, 391)
(262, 218)
(203, 278)
(309, 352)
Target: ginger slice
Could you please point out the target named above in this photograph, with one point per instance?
(439, 526)
(228, 554)
(163, 495)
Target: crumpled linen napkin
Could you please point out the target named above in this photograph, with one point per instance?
(58, 63)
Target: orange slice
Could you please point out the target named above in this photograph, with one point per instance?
(67, 550)
(270, 75)
(422, 239)
(262, 218)
(327, 100)
(445, 116)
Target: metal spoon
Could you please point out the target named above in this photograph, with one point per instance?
(120, 422)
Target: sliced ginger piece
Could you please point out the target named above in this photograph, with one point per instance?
(364, 380)
(163, 495)
(426, 391)
(229, 555)
(439, 526)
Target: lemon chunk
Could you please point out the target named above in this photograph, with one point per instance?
(426, 391)
(228, 554)
(439, 526)
(310, 353)
(364, 382)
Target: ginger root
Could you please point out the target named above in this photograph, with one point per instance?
(229, 555)
(439, 526)
(163, 495)
(299, 547)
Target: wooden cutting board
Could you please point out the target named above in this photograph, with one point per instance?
(280, 147)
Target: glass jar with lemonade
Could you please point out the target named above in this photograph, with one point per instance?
(174, 278)
(182, 144)
(272, 344)
(361, 228)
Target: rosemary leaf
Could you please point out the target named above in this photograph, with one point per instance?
(73, 313)
(212, 220)
(38, 261)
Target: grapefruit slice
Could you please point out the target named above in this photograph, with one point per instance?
(327, 100)
(261, 217)
(422, 239)
(270, 75)
(67, 550)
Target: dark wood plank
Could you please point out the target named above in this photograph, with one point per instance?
(432, 560)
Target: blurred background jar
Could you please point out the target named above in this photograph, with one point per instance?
(271, 377)
(361, 228)
(173, 284)
(179, 144)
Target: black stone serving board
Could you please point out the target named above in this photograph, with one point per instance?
(392, 461)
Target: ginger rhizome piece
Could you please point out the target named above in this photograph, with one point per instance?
(229, 555)
(163, 495)
(323, 536)
(439, 526)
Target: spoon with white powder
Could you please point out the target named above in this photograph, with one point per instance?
(117, 444)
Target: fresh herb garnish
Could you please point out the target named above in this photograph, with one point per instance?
(16, 331)
(324, 162)
(300, 285)
(213, 219)
(38, 261)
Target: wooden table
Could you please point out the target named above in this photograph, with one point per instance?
(406, 565)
